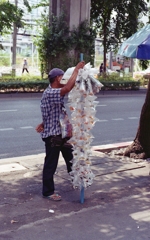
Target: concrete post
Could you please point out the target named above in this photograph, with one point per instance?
(76, 10)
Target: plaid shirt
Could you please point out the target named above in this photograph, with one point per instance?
(51, 105)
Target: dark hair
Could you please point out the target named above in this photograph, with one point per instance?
(51, 80)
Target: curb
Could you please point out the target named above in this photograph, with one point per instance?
(17, 95)
(34, 163)
(109, 147)
(99, 148)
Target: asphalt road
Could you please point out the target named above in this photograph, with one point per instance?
(118, 116)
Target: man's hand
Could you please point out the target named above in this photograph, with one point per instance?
(71, 82)
(40, 128)
(80, 65)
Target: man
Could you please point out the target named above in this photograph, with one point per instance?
(25, 66)
(51, 105)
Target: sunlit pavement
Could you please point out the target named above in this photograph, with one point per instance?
(116, 206)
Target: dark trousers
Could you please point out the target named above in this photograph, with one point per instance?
(51, 162)
(25, 69)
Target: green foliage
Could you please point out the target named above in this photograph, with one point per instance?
(30, 86)
(144, 64)
(144, 81)
(115, 82)
(60, 47)
(30, 83)
(22, 84)
(19, 84)
(114, 77)
(128, 23)
(83, 39)
(42, 3)
(120, 85)
(26, 4)
(53, 42)
(9, 14)
(1, 47)
(116, 20)
(4, 59)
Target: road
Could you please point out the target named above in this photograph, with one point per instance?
(118, 121)
(117, 203)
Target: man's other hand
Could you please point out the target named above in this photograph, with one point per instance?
(40, 128)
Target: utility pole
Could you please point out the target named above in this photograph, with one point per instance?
(14, 46)
(50, 22)
(50, 11)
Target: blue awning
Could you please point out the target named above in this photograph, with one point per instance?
(138, 45)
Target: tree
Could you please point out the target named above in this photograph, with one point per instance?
(140, 148)
(9, 14)
(116, 20)
(58, 46)
(53, 41)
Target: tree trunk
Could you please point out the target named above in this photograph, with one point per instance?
(104, 45)
(140, 148)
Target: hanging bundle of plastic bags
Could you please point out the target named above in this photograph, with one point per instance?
(66, 126)
(82, 105)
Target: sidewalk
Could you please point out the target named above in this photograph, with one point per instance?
(116, 206)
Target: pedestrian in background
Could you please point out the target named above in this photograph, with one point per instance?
(25, 66)
(101, 69)
(52, 103)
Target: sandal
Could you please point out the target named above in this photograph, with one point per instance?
(53, 197)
